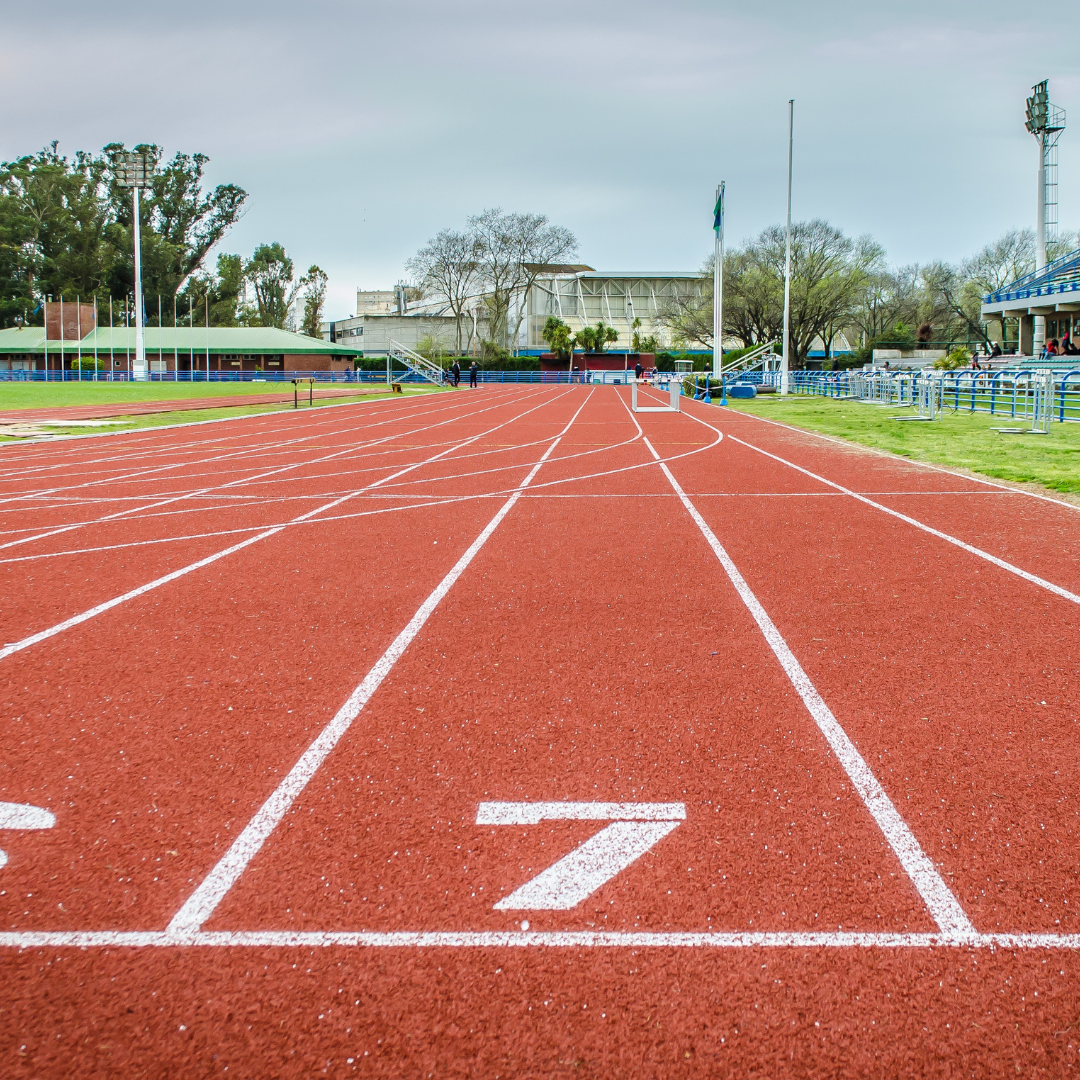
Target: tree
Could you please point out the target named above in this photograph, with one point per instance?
(446, 268)
(314, 282)
(66, 228)
(828, 273)
(180, 223)
(512, 250)
(557, 334)
(594, 339)
(270, 274)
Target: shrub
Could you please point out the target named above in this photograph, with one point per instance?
(958, 358)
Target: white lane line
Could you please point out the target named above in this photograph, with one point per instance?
(944, 908)
(142, 507)
(108, 605)
(970, 548)
(202, 902)
(848, 444)
(523, 939)
(164, 446)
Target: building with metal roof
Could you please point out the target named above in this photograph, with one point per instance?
(1053, 293)
(577, 294)
(171, 349)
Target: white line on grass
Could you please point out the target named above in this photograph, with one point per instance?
(201, 904)
(108, 605)
(971, 549)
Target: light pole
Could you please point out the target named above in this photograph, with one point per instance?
(1046, 122)
(130, 169)
(785, 363)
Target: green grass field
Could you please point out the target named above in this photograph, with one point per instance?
(40, 395)
(960, 440)
(151, 420)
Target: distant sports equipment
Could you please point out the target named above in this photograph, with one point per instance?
(674, 391)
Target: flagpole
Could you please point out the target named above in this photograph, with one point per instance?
(717, 347)
(785, 363)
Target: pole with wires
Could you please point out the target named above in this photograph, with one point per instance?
(785, 363)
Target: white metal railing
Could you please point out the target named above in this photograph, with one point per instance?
(748, 361)
(417, 364)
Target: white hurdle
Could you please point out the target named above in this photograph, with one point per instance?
(674, 392)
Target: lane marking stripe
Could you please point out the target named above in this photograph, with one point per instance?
(99, 609)
(201, 904)
(1010, 567)
(407, 939)
(943, 906)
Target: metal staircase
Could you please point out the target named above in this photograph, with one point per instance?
(762, 356)
(416, 364)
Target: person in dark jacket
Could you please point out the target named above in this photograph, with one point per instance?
(638, 369)
(474, 367)
(456, 369)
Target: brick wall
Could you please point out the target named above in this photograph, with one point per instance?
(77, 317)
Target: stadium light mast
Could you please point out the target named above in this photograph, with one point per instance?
(1046, 122)
(785, 362)
(130, 169)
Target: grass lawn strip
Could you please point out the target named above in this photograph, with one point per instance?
(964, 441)
(41, 395)
(178, 419)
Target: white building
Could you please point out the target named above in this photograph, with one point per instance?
(578, 295)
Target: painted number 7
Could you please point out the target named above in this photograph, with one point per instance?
(634, 828)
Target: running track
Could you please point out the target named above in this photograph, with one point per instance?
(316, 710)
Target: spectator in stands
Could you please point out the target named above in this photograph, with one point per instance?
(995, 352)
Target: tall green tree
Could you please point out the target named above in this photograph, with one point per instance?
(314, 284)
(270, 274)
(66, 227)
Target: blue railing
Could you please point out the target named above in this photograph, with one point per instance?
(538, 377)
(995, 392)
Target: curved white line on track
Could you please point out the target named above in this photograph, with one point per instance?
(135, 510)
(433, 500)
(116, 601)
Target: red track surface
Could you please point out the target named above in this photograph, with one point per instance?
(140, 408)
(591, 649)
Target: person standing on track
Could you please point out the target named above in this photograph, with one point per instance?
(638, 369)
(456, 369)
(473, 369)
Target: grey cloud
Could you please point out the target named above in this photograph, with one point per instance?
(362, 128)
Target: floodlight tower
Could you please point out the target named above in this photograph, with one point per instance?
(1046, 122)
(131, 173)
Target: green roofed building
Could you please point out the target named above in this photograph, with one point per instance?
(168, 349)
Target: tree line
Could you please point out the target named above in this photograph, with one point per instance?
(66, 231)
(845, 286)
(479, 273)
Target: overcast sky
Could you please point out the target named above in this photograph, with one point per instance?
(360, 128)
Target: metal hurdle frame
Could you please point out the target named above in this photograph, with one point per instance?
(674, 390)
